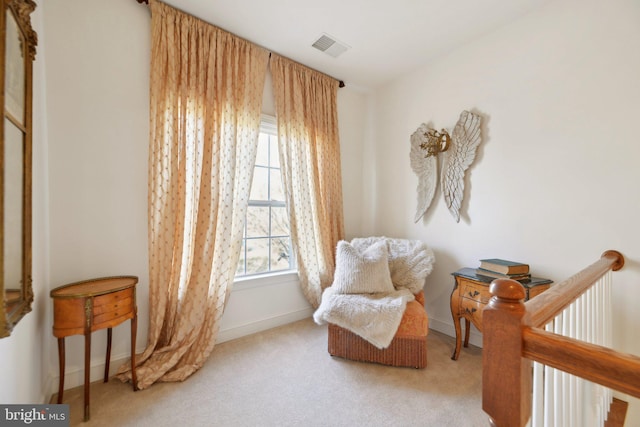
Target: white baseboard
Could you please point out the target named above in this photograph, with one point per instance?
(74, 377)
(49, 388)
(475, 337)
(263, 325)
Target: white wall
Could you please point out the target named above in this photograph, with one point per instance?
(353, 111)
(555, 182)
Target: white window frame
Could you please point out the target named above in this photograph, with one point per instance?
(267, 125)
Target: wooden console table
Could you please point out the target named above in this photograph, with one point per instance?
(471, 294)
(83, 307)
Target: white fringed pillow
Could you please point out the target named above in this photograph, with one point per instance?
(364, 272)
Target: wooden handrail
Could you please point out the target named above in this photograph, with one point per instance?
(544, 307)
(602, 365)
(512, 340)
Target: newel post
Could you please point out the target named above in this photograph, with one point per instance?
(506, 376)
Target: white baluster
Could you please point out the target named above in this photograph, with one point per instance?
(561, 399)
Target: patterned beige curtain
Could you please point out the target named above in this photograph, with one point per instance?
(206, 97)
(306, 110)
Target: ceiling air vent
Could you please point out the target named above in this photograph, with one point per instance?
(329, 45)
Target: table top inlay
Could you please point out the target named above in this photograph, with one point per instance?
(94, 287)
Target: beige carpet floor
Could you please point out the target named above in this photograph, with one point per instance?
(285, 377)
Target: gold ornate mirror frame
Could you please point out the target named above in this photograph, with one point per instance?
(17, 52)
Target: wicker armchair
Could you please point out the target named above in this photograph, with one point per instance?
(373, 265)
(408, 348)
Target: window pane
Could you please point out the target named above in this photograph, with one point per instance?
(257, 255)
(240, 269)
(260, 184)
(277, 193)
(275, 159)
(244, 228)
(280, 254)
(257, 221)
(279, 221)
(262, 155)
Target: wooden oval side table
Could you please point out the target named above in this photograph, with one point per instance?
(83, 307)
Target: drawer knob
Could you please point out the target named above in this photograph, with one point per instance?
(474, 293)
(470, 311)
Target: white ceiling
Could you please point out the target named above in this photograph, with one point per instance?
(388, 38)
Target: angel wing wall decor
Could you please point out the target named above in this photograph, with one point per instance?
(459, 151)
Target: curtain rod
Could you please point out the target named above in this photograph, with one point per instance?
(340, 82)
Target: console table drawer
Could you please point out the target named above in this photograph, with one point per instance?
(474, 291)
(471, 308)
(113, 309)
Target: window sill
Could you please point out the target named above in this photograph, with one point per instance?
(260, 280)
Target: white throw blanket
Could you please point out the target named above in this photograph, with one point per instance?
(374, 317)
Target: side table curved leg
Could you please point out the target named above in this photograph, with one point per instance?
(106, 363)
(87, 372)
(134, 329)
(467, 327)
(456, 324)
(61, 368)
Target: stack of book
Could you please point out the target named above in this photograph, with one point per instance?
(503, 269)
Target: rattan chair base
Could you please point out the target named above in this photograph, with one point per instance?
(407, 351)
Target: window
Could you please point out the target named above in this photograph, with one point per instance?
(266, 241)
